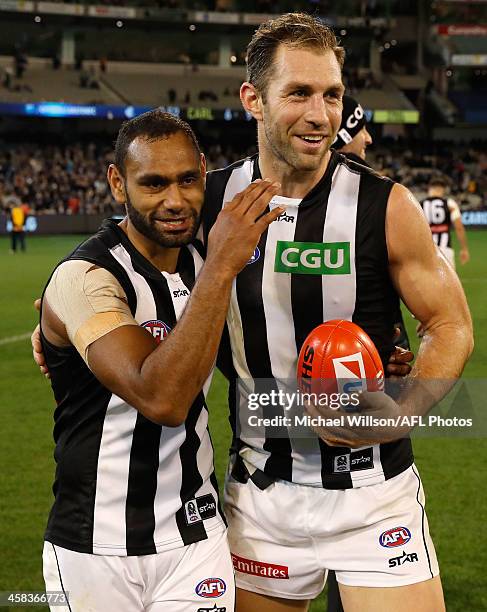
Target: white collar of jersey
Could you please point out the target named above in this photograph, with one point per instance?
(283, 201)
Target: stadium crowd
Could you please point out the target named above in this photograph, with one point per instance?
(365, 8)
(55, 179)
(464, 167)
(71, 179)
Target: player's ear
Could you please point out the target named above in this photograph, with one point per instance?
(117, 184)
(203, 166)
(251, 100)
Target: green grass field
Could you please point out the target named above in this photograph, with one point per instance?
(454, 472)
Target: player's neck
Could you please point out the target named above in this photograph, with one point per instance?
(164, 259)
(294, 183)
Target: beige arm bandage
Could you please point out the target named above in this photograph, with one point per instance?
(89, 301)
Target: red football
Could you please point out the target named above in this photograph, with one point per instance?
(338, 356)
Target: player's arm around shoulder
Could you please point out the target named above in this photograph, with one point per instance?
(429, 287)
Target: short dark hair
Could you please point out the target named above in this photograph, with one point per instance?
(152, 125)
(438, 181)
(294, 30)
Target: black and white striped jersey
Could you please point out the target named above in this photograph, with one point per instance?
(438, 215)
(125, 485)
(324, 258)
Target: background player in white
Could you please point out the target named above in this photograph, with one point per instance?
(442, 212)
(294, 91)
(133, 453)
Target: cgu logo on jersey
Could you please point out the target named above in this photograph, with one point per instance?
(157, 328)
(312, 257)
(211, 587)
(398, 536)
(350, 373)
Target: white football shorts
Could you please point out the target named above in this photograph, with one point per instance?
(284, 538)
(194, 578)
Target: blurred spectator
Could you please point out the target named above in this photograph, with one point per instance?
(56, 62)
(78, 62)
(464, 167)
(53, 179)
(7, 77)
(20, 63)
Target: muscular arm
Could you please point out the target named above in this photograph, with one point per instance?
(163, 380)
(432, 292)
(85, 306)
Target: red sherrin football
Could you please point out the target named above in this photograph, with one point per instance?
(338, 356)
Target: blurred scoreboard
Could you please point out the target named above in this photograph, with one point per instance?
(190, 113)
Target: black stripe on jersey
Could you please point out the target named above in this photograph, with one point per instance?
(191, 479)
(377, 304)
(309, 228)
(142, 487)
(395, 457)
(144, 454)
(259, 362)
(199, 247)
(216, 184)
(186, 268)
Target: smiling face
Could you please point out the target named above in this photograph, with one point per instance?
(301, 108)
(163, 189)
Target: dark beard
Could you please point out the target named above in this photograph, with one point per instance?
(148, 228)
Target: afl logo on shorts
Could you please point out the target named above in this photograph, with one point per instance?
(157, 328)
(211, 587)
(255, 256)
(395, 537)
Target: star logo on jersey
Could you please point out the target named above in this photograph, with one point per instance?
(402, 559)
(157, 328)
(354, 461)
(320, 258)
